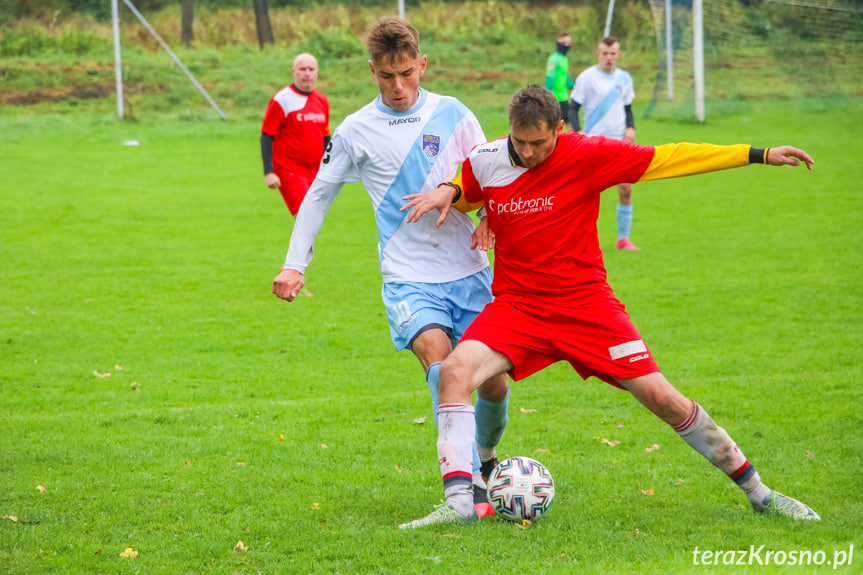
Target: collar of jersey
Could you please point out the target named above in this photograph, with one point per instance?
(513, 156)
(412, 110)
(598, 69)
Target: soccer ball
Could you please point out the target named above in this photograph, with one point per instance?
(520, 488)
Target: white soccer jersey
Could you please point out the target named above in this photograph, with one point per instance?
(603, 97)
(395, 154)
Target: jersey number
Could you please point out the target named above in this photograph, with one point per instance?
(326, 158)
(403, 311)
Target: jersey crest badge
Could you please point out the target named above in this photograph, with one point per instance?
(431, 145)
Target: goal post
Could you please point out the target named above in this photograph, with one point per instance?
(747, 54)
(118, 66)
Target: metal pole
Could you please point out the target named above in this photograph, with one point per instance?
(118, 66)
(401, 8)
(174, 57)
(608, 18)
(669, 64)
(698, 57)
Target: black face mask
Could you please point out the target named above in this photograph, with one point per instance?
(563, 49)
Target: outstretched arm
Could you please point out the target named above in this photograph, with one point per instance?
(676, 160)
(788, 156)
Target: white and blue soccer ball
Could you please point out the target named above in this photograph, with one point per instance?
(520, 488)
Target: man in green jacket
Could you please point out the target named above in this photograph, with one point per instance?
(557, 78)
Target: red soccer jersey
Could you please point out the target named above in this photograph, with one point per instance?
(544, 218)
(298, 123)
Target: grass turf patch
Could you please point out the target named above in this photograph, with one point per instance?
(290, 426)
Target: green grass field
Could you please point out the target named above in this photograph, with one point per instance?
(230, 415)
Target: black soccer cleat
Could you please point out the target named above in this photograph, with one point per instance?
(486, 467)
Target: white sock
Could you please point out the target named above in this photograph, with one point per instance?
(704, 436)
(456, 430)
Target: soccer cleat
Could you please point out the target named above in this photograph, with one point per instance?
(480, 502)
(486, 467)
(625, 244)
(779, 504)
(444, 514)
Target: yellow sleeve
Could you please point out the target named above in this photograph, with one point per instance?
(461, 204)
(675, 160)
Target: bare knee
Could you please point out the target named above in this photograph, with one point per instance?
(494, 389)
(456, 375)
(660, 397)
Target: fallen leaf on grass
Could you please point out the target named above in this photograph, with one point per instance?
(525, 523)
(135, 386)
(810, 455)
(102, 375)
(619, 425)
(241, 464)
(117, 367)
(653, 447)
(281, 437)
(399, 469)
(12, 517)
(187, 461)
(129, 553)
(647, 492)
(240, 546)
(611, 442)
(523, 410)
(41, 488)
(316, 505)
(542, 450)
(323, 446)
(419, 420)
(309, 294)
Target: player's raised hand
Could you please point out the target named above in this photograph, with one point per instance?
(287, 284)
(788, 156)
(482, 237)
(421, 204)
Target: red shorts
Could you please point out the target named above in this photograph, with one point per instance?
(594, 334)
(294, 188)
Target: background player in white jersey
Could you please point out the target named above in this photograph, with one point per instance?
(606, 93)
(408, 141)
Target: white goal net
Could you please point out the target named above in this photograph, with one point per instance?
(758, 51)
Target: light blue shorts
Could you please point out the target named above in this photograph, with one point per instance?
(414, 307)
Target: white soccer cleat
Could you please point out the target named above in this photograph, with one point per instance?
(442, 515)
(779, 504)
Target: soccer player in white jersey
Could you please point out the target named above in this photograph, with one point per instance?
(409, 141)
(606, 93)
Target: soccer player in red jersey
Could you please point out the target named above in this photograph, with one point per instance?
(295, 133)
(541, 188)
